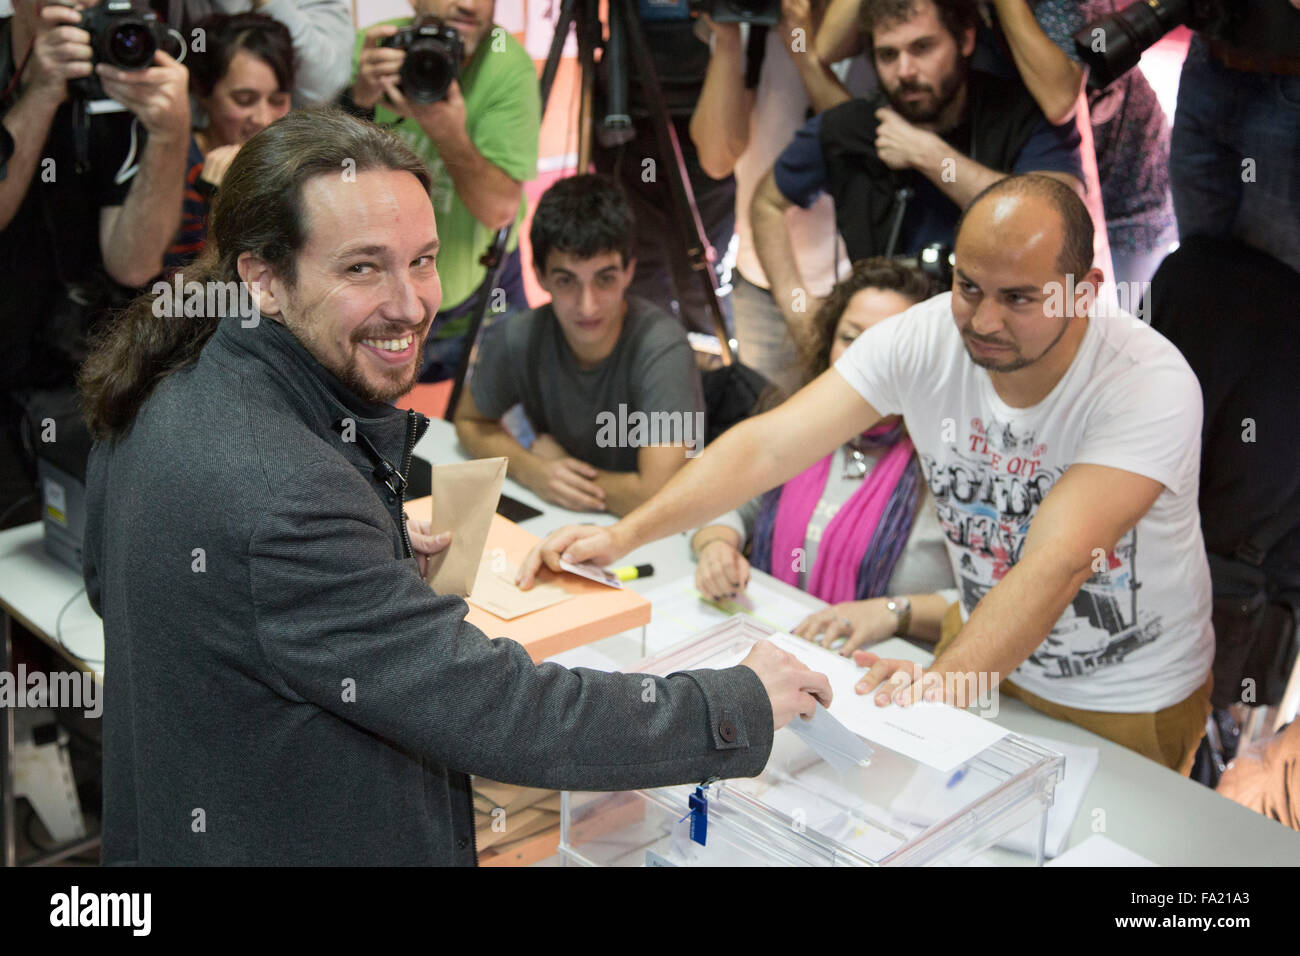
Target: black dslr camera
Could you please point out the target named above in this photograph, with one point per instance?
(122, 35)
(433, 55)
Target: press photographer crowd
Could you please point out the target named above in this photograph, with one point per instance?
(948, 324)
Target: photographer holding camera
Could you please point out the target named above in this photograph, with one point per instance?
(902, 165)
(1124, 130)
(757, 93)
(84, 210)
(474, 116)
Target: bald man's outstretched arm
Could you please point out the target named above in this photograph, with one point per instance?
(758, 454)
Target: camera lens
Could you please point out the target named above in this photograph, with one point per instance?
(426, 73)
(1112, 45)
(131, 46)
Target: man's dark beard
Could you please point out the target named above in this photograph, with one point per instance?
(1014, 365)
(917, 112)
(357, 385)
(351, 376)
(1020, 361)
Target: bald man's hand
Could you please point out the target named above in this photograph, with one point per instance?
(576, 544)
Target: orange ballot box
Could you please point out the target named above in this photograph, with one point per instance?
(589, 612)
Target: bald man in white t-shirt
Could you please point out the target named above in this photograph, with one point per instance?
(1061, 443)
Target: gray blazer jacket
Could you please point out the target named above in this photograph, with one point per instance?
(282, 687)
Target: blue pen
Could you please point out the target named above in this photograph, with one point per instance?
(957, 777)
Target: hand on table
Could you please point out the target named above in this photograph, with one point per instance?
(897, 681)
(545, 446)
(1264, 774)
(858, 623)
(722, 571)
(564, 480)
(575, 544)
(567, 482)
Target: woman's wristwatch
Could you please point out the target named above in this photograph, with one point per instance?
(901, 608)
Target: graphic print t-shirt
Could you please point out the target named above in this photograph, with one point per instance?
(1137, 637)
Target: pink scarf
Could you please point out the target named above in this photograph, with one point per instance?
(844, 543)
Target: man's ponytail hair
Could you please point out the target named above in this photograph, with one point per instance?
(258, 209)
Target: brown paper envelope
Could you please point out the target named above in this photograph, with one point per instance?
(496, 593)
(465, 495)
(597, 612)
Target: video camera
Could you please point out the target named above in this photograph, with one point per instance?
(433, 55)
(1113, 44)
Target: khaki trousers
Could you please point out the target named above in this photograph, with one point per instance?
(1169, 736)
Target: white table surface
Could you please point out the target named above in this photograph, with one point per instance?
(1142, 805)
(34, 588)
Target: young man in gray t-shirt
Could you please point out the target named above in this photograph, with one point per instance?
(608, 382)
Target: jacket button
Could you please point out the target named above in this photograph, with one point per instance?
(462, 843)
(727, 731)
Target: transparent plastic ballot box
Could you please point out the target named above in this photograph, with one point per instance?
(814, 808)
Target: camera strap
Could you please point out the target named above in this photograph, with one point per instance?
(902, 196)
(81, 133)
(130, 165)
